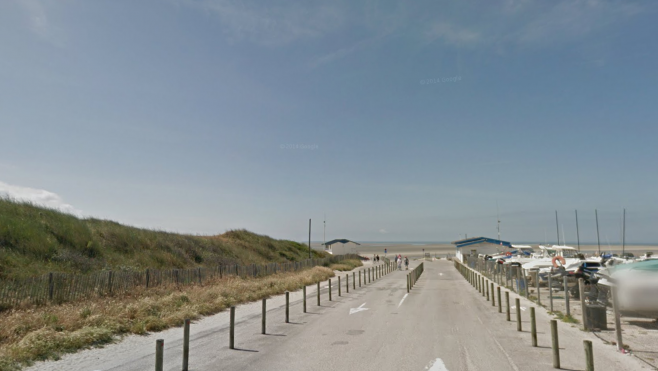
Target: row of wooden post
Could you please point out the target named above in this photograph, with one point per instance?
(369, 274)
(414, 275)
(581, 286)
(483, 285)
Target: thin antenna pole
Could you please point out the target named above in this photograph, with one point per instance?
(309, 238)
(498, 216)
(598, 239)
(557, 226)
(577, 232)
(623, 236)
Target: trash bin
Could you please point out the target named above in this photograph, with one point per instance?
(596, 317)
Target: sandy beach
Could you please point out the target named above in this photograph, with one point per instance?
(443, 249)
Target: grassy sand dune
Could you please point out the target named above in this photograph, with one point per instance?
(36, 240)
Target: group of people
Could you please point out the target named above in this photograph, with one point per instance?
(398, 261)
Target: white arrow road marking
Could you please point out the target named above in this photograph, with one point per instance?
(437, 365)
(359, 309)
(405, 296)
(514, 307)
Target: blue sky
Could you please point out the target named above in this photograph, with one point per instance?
(398, 120)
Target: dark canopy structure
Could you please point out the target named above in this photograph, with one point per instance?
(481, 240)
(341, 240)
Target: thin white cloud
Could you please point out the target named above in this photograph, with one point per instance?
(39, 22)
(272, 23)
(452, 34)
(36, 196)
(383, 231)
(571, 19)
(530, 23)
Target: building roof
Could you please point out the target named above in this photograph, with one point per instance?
(342, 240)
(477, 240)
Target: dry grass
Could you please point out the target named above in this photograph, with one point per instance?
(43, 333)
(346, 265)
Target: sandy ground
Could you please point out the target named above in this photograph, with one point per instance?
(639, 334)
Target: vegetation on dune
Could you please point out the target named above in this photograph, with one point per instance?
(48, 332)
(36, 240)
(346, 265)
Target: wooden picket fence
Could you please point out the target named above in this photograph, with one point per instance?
(64, 287)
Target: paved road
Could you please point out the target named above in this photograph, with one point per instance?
(443, 324)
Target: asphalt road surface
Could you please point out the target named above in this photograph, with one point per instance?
(442, 324)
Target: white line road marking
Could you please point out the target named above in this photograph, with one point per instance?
(514, 307)
(509, 359)
(405, 296)
(359, 309)
(437, 365)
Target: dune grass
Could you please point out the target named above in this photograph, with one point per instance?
(346, 265)
(36, 240)
(48, 332)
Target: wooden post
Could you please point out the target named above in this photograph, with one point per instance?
(51, 287)
(500, 304)
(615, 308)
(359, 278)
(517, 301)
(347, 283)
(486, 283)
(330, 289)
(186, 344)
(318, 294)
(159, 354)
(339, 294)
(583, 308)
(589, 355)
(533, 327)
(109, 282)
(287, 307)
(538, 293)
(566, 296)
(550, 289)
(148, 277)
(304, 300)
(231, 337)
(507, 302)
(493, 296)
(555, 344)
(263, 320)
(483, 283)
(354, 280)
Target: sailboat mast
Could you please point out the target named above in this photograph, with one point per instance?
(557, 227)
(577, 232)
(598, 239)
(623, 235)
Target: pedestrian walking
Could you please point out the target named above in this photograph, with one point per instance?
(406, 262)
(399, 263)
